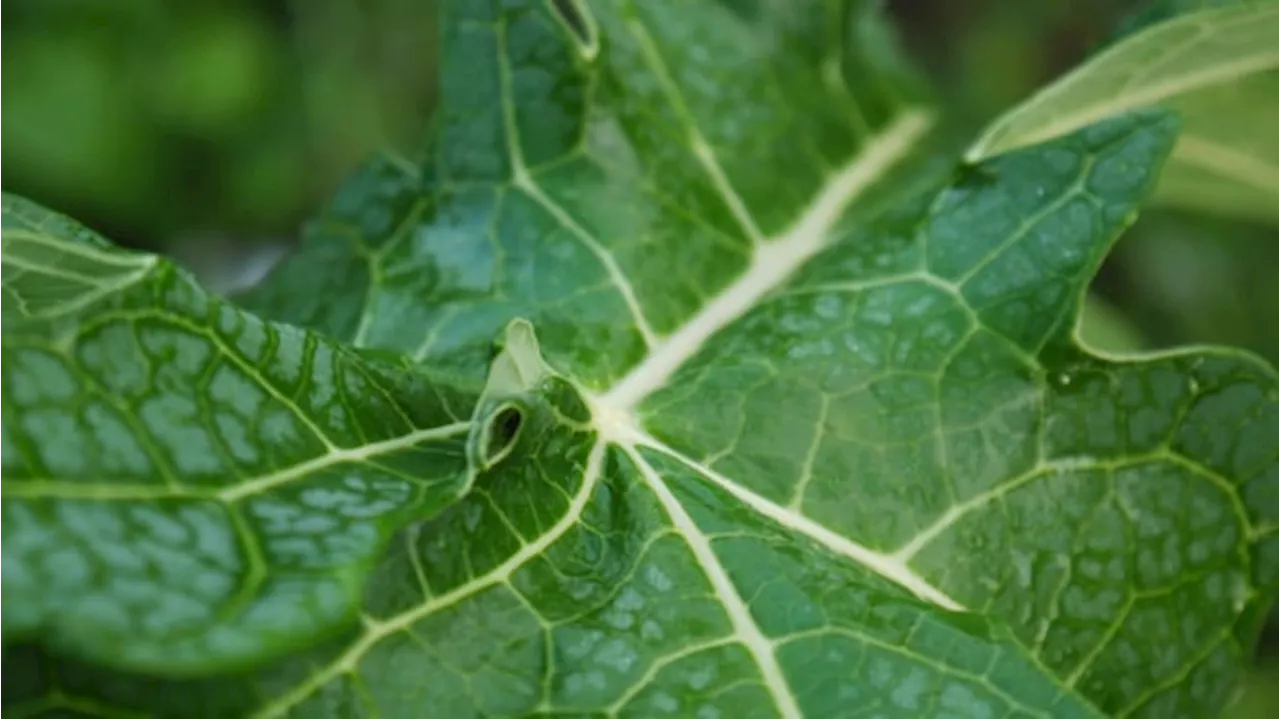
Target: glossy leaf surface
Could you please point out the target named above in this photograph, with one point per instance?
(188, 487)
(788, 421)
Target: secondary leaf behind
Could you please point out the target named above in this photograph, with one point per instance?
(1215, 64)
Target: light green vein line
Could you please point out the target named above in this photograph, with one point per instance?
(375, 632)
(745, 627)
(663, 662)
(891, 567)
(522, 180)
(339, 456)
(89, 252)
(955, 513)
(698, 144)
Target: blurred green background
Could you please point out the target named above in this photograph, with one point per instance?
(210, 130)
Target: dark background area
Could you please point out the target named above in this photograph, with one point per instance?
(211, 129)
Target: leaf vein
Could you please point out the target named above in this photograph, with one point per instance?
(348, 661)
(744, 625)
(890, 567)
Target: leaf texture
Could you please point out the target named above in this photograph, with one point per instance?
(803, 431)
(188, 487)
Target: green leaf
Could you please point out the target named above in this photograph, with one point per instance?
(803, 430)
(1215, 66)
(187, 487)
(1155, 11)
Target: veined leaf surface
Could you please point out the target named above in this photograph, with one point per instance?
(804, 430)
(188, 487)
(1216, 66)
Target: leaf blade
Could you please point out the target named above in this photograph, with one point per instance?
(736, 533)
(159, 389)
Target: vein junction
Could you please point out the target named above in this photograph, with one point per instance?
(615, 418)
(775, 260)
(893, 567)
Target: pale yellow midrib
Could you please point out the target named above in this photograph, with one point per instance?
(774, 261)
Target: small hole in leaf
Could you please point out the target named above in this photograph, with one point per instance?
(508, 423)
(502, 432)
(571, 13)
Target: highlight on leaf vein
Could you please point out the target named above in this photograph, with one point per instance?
(689, 370)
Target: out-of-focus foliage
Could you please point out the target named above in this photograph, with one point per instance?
(1216, 67)
(210, 128)
(155, 120)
